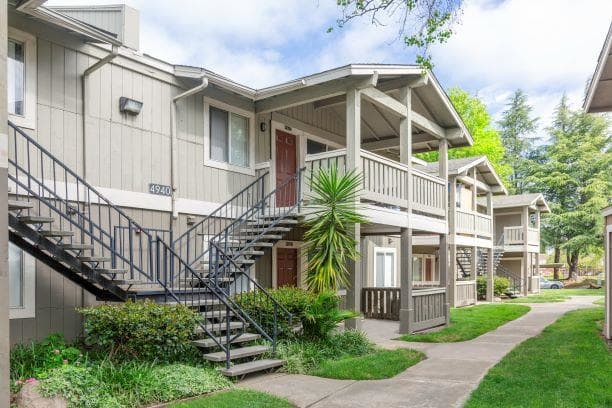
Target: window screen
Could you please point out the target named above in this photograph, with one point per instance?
(15, 78)
(15, 276)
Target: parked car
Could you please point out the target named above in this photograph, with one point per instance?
(550, 284)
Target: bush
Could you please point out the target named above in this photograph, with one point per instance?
(129, 384)
(261, 308)
(304, 355)
(142, 330)
(500, 286)
(323, 314)
(34, 360)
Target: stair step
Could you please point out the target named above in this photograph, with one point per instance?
(252, 367)
(56, 233)
(108, 271)
(284, 221)
(236, 244)
(241, 352)
(236, 261)
(14, 205)
(78, 247)
(220, 327)
(196, 302)
(129, 282)
(86, 258)
(216, 314)
(248, 252)
(208, 343)
(205, 279)
(264, 229)
(35, 219)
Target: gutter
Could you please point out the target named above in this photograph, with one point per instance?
(85, 91)
(174, 141)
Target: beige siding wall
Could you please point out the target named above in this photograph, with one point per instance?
(506, 220)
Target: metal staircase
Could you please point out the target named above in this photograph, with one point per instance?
(515, 280)
(464, 263)
(59, 218)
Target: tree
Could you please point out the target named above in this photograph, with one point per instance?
(517, 128)
(576, 180)
(421, 23)
(487, 141)
(330, 243)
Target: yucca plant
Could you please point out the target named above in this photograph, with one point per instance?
(329, 240)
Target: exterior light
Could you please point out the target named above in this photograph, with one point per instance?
(130, 106)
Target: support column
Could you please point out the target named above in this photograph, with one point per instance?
(443, 251)
(452, 268)
(353, 161)
(537, 255)
(526, 260)
(4, 284)
(406, 301)
(490, 251)
(474, 249)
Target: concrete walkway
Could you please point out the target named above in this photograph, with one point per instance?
(445, 379)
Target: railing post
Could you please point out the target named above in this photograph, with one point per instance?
(275, 328)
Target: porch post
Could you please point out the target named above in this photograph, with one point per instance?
(353, 161)
(490, 251)
(452, 228)
(526, 260)
(443, 251)
(406, 301)
(4, 284)
(537, 255)
(474, 263)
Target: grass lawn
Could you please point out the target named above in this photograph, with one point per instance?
(236, 399)
(601, 301)
(556, 295)
(375, 366)
(567, 365)
(470, 322)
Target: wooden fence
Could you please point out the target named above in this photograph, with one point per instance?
(380, 303)
(465, 293)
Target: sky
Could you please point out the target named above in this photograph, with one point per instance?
(544, 47)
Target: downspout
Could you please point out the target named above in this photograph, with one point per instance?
(85, 92)
(174, 141)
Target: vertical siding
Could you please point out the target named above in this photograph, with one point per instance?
(324, 119)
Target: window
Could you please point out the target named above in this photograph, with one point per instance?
(424, 269)
(314, 147)
(458, 197)
(417, 271)
(229, 137)
(384, 268)
(21, 78)
(21, 283)
(16, 77)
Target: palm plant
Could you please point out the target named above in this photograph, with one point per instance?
(329, 239)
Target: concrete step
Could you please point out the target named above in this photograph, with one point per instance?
(129, 282)
(35, 219)
(14, 205)
(252, 367)
(194, 281)
(208, 342)
(216, 314)
(78, 247)
(56, 233)
(236, 244)
(86, 258)
(284, 221)
(240, 261)
(255, 231)
(110, 271)
(220, 327)
(241, 352)
(197, 302)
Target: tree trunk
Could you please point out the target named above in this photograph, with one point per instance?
(572, 260)
(556, 260)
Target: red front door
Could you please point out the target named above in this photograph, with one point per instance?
(286, 267)
(286, 166)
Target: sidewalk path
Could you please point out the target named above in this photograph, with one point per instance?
(445, 379)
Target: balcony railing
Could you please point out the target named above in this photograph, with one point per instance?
(515, 236)
(473, 223)
(384, 182)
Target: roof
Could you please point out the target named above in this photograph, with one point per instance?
(521, 200)
(462, 165)
(599, 93)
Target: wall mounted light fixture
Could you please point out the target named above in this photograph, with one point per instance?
(130, 106)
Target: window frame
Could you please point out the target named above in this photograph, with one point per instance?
(250, 116)
(385, 251)
(28, 119)
(28, 290)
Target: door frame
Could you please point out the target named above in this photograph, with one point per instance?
(385, 250)
(301, 263)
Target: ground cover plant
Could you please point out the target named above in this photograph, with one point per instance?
(500, 286)
(470, 322)
(567, 365)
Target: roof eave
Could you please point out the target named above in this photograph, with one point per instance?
(604, 57)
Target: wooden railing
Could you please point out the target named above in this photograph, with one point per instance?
(429, 308)
(515, 236)
(380, 303)
(384, 182)
(465, 293)
(470, 222)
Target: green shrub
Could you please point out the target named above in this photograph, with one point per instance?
(261, 308)
(500, 286)
(34, 360)
(323, 314)
(143, 330)
(129, 384)
(304, 355)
